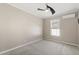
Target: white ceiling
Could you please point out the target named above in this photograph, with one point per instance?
(31, 8)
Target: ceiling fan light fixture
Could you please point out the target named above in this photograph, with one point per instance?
(46, 10)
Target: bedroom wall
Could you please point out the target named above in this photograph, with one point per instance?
(17, 27)
(47, 31)
(68, 30)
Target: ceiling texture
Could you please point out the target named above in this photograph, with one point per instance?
(31, 8)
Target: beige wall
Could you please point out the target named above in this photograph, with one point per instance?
(78, 28)
(68, 30)
(46, 30)
(17, 27)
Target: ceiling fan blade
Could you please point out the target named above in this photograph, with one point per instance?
(48, 8)
(40, 9)
(51, 9)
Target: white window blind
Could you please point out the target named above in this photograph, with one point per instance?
(55, 27)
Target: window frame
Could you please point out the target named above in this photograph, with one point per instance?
(51, 28)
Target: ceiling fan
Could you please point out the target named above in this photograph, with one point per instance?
(47, 8)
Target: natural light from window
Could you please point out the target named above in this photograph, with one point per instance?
(55, 27)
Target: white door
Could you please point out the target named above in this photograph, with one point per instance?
(69, 29)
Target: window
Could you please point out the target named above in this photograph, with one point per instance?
(55, 27)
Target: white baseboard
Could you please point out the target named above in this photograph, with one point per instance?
(73, 44)
(19, 46)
